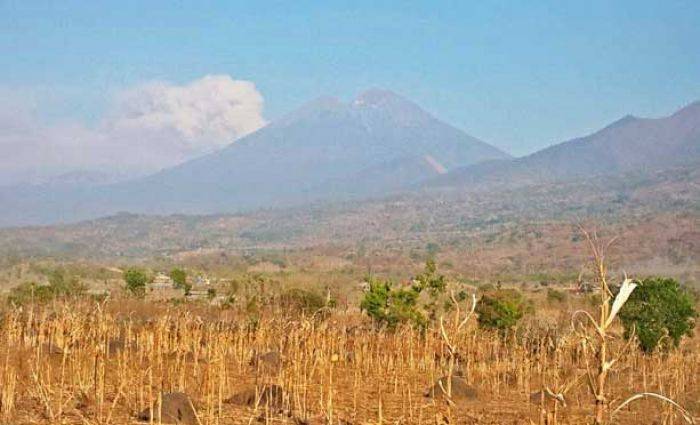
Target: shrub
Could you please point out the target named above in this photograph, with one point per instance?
(500, 309)
(460, 296)
(660, 312)
(376, 299)
(30, 292)
(302, 299)
(431, 280)
(434, 284)
(135, 280)
(392, 306)
(415, 304)
(403, 308)
(59, 287)
(179, 278)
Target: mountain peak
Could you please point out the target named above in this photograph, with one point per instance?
(391, 105)
(378, 97)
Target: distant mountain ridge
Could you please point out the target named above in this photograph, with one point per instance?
(326, 150)
(373, 146)
(627, 144)
(321, 151)
(403, 220)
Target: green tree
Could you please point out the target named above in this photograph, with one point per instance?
(403, 308)
(179, 278)
(136, 280)
(500, 309)
(376, 299)
(392, 306)
(660, 312)
(434, 284)
(430, 279)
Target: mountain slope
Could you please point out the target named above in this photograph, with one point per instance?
(405, 220)
(325, 150)
(318, 151)
(628, 144)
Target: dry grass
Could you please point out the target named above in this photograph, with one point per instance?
(82, 363)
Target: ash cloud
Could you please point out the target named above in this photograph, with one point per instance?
(146, 128)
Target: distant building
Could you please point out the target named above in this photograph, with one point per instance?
(202, 280)
(199, 293)
(162, 281)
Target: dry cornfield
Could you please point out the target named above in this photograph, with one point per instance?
(89, 363)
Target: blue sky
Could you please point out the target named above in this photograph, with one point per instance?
(518, 74)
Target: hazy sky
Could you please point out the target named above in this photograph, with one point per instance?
(518, 74)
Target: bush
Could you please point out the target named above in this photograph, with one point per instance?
(660, 312)
(501, 309)
(59, 287)
(431, 280)
(302, 299)
(434, 284)
(376, 299)
(30, 292)
(136, 280)
(392, 306)
(179, 278)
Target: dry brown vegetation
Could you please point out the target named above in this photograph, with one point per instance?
(125, 361)
(527, 254)
(87, 363)
(491, 219)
